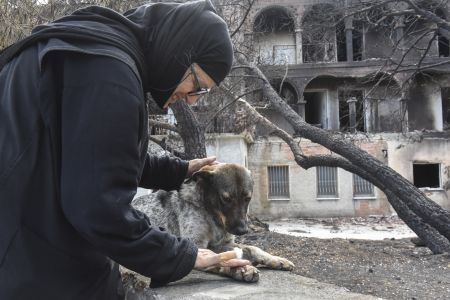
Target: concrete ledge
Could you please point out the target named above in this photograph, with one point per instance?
(272, 285)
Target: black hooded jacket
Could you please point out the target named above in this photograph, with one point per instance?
(73, 140)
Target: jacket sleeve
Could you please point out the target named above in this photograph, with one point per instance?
(101, 118)
(163, 172)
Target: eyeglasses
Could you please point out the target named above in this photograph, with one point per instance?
(199, 90)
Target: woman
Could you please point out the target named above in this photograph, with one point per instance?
(73, 138)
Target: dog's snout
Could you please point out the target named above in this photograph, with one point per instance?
(241, 229)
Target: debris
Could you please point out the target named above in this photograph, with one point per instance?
(256, 225)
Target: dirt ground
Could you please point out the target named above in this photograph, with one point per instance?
(390, 268)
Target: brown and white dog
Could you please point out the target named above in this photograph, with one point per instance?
(210, 209)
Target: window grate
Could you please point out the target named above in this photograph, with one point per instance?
(362, 187)
(278, 177)
(327, 185)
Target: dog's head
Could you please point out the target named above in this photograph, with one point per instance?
(227, 190)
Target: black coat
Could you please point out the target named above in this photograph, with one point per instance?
(73, 140)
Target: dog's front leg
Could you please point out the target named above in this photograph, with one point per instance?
(259, 257)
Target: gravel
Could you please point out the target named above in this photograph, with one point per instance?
(390, 268)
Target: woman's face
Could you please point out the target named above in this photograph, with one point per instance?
(188, 84)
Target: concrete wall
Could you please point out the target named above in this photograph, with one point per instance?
(388, 114)
(404, 152)
(375, 42)
(275, 48)
(228, 148)
(276, 118)
(303, 200)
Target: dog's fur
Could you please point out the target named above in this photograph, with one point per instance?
(210, 209)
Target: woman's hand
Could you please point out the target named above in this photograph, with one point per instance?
(207, 258)
(197, 164)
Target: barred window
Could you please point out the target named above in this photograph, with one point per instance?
(362, 187)
(327, 185)
(278, 182)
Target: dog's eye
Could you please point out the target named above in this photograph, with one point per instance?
(225, 199)
(247, 199)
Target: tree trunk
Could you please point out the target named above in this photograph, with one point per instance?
(190, 130)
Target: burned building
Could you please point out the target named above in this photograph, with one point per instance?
(384, 81)
(350, 74)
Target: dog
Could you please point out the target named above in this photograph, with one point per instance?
(210, 209)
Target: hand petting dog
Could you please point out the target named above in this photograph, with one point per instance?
(196, 164)
(207, 258)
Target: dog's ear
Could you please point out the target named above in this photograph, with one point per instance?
(202, 175)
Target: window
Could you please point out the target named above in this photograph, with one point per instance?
(315, 108)
(278, 182)
(318, 41)
(358, 32)
(327, 182)
(341, 41)
(357, 41)
(426, 175)
(361, 187)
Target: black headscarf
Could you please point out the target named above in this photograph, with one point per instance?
(183, 34)
(162, 38)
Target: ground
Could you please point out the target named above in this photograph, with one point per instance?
(360, 260)
(391, 268)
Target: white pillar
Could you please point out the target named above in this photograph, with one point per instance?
(298, 46)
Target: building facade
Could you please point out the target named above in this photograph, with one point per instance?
(353, 74)
(335, 75)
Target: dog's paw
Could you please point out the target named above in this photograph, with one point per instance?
(246, 273)
(279, 263)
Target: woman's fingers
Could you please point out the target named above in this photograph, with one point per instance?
(234, 263)
(207, 258)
